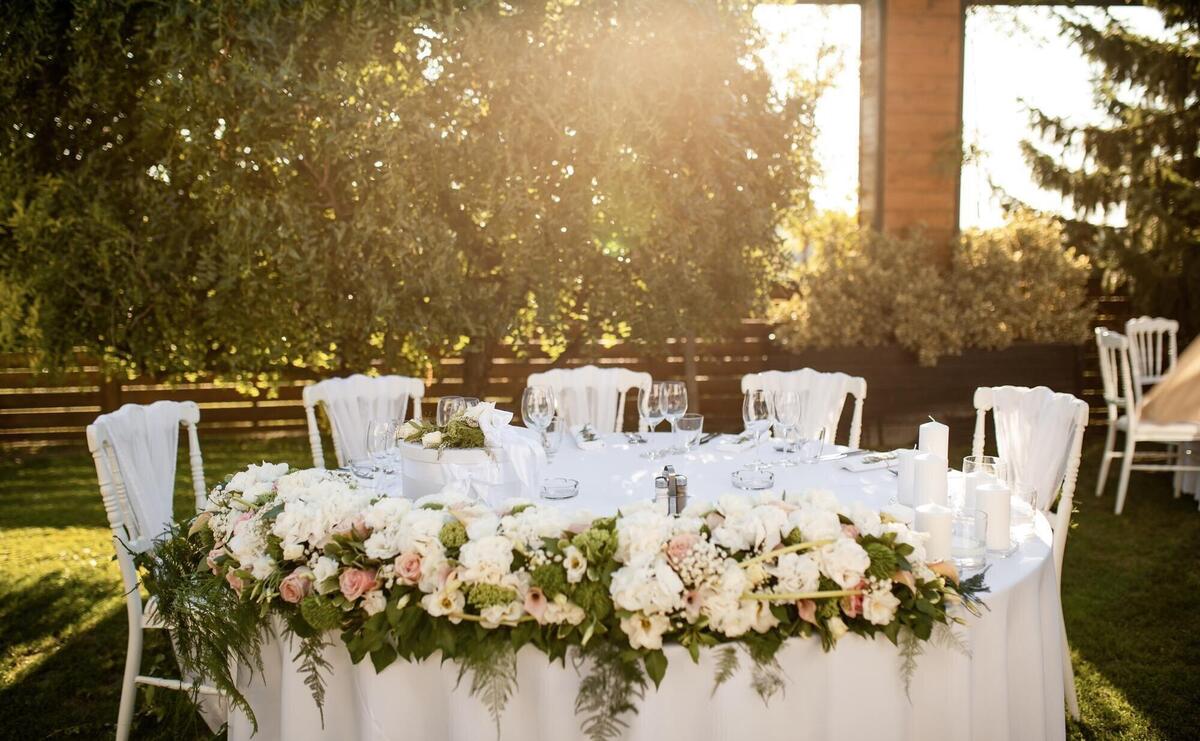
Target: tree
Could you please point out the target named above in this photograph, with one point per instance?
(241, 188)
(1146, 158)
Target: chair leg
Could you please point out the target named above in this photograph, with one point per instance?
(1180, 460)
(1069, 679)
(1126, 464)
(1110, 439)
(133, 663)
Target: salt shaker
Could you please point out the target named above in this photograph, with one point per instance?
(662, 493)
(681, 497)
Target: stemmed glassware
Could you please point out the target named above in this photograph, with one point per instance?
(381, 441)
(787, 406)
(675, 402)
(650, 406)
(538, 407)
(757, 416)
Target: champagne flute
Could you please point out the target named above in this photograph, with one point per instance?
(787, 416)
(650, 406)
(756, 415)
(675, 402)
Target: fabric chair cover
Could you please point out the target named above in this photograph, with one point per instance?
(591, 395)
(826, 396)
(1033, 433)
(352, 402)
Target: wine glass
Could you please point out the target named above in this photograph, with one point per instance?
(675, 402)
(787, 416)
(650, 406)
(757, 415)
(537, 409)
(447, 407)
(381, 440)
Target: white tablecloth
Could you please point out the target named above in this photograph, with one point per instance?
(1009, 687)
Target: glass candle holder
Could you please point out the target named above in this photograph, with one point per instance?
(968, 539)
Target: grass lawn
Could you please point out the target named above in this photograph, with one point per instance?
(1131, 594)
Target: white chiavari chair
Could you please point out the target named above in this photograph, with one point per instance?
(350, 404)
(1123, 383)
(826, 392)
(1153, 346)
(134, 449)
(591, 395)
(1039, 434)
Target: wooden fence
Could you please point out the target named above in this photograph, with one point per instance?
(37, 409)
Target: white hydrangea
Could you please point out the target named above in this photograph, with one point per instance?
(641, 533)
(761, 527)
(257, 473)
(529, 526)
(486, 560)
(795, 573)
(816, 523)
(845, 562)
(865, 519)
(648, 585)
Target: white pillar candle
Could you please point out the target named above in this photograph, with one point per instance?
(905, 477)
(930, 479)
(935, 520)
(970, 482)
(934, 437)
(995, 499)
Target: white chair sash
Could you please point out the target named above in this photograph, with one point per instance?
(144, 440)
(352, 402)
(1033, 433)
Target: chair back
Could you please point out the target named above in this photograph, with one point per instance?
(591, 395)
(826, 392)
(134, 449)
(1119, 375)
(351, 403)
(1153, 346)
(1039, 433)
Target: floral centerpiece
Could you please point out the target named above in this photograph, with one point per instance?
(403, 580)
(476, 449)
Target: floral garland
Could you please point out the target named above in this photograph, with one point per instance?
(463, 430)
(404, 580)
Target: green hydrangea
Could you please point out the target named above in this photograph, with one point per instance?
(883, 561)
(320, 613)
(794, 537)
(593, 597)
(829, 608)
(482, 596)
(453, 534)
(551, 578)
(596, 543)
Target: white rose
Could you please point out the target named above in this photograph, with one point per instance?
(293, 552)
(865, 519)
(431, 439)
(879, 606)
(648, 586)
(645, 631)
(845, 562)
(407, 430)
(575, 564)
(374, 602)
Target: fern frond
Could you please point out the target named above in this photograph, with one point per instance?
(607, 691)
(727, 666)
(910, 650)
(493, 679)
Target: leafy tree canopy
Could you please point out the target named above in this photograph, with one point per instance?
(242, 187)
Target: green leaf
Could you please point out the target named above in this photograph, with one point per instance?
(656, 666)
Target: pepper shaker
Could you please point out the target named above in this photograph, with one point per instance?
(681, 497)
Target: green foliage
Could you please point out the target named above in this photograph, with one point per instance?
(320, 613)
(551, 578)
(883, 560)
(607, 691)
(248, 188)
(1144, 157)
(453, 534)
(481, 596)
(457, 434)
(855, 287)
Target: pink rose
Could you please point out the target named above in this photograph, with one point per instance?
(356, 582)
(359, 528)
(850, 532)
(852, 605)
(296, 585)
(693, 602)
(679, 546)
(408, 567)
(808, 610)
(535, 603)
(235, 581)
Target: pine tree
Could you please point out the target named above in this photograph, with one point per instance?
(1145, 156)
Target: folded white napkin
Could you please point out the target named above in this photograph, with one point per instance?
(869, 462)
(734, 443)
(586, 438)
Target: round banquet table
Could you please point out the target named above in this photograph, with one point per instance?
(1007, 685)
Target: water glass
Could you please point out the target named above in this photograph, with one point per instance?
(1024, 510)
(811, 447)
(552, 438)
(757, 416)
(690, 427)
(447, 407)
(968, 539)
(675, 401)
(651, 406)
(469, 401)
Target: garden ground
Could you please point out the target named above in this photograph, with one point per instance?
(1131, 595)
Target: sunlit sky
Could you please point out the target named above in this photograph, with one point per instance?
(1014, 59)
